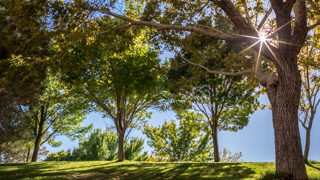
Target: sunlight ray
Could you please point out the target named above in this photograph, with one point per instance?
(274, 55)
(279, 28)
(252, 37)
(249, 47)
(258, 61)
(283, 42)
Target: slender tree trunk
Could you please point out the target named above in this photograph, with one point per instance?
(215, 144)
(28, 155)
(38, 134)
(284, 98)
(308, 131)
(307, 146)
(121, 144)
(36, 149)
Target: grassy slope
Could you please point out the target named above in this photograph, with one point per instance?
(138, 170)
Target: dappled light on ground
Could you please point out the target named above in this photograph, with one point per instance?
(138, 170)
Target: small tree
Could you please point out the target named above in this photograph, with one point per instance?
(310, 71)
(57, 112)
(101, 146)
(183, 142)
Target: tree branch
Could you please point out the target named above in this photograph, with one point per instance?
(300, 24)
(216, 72)
(177, 27)
(101, 104)
(264, 18)
(229, 8)
(314, 25)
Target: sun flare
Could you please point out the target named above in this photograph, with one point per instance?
(262, 37)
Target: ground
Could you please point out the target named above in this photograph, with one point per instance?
(139, 170)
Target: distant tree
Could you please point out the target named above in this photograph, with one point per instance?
(19, 151)
(309, 66)
(101, 146)
(225, 101)
(183, 142)
(227, 156)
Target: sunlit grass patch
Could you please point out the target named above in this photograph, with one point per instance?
(140, 170)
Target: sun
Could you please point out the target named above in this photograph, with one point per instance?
(262, 37)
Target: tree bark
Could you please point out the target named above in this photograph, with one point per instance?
(28, 155)
(308, 131)
(215, 144)
(121, 144)
(284, 98)
(36, 149)
(38, 134)
(307, 146)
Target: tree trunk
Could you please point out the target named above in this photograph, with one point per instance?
(38, 133)
(284, 98)
(28, 155)
(36, 149)
(121, 144)
(215, 144)
(307, 146)
(308, 131)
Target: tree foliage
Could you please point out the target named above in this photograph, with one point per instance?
(56, 112)
(309, 67)
(182, 142)
(101, 146)
(225, 101)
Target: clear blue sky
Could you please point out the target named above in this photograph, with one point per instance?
(255, 141)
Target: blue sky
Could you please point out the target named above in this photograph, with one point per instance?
(255, 141)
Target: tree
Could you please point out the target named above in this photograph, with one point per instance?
(293, 19)
(23, 49)
(309, 67)
(184, 143)
(122, 79)
(101, 146)
(225, 101)
(57, 112)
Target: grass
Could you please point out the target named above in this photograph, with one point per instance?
(139, 170)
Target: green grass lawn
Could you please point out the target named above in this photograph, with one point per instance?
(139, 170)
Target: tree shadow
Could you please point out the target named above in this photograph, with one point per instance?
(312, 166)
(125, 170)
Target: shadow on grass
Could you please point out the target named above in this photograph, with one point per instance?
(312, 166)
(124, 170)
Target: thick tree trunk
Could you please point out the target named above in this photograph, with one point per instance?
(215, 144)
(307, 146)
(284, 98)
(36, 149)
(121, 144)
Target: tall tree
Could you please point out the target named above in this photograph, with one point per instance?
(121, 79)
(293, 19)
(225, 101)
(310, 71)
